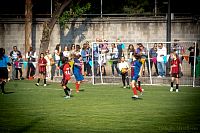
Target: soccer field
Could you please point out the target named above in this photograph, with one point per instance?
(99, 108)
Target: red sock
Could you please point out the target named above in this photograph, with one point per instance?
(77, 86)
(134, 90)
(139, 88)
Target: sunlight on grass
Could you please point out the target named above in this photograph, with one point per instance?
(99, 108)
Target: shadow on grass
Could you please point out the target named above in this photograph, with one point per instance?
(28, 126)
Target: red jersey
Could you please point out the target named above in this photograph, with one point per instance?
(175, 65)
(66, 71)
(42, 62)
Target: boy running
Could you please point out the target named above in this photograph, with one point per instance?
(136, 71)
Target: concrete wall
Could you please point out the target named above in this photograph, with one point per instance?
(129, 29)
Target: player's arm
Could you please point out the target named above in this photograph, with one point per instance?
(180, 65)
(141, 69)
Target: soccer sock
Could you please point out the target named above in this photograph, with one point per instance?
(66, 92)
(2, 86)
(45, 81)
(38, 80)
(139, 88)
(134, 90)
(172, 84)
(77, 86)
(139, 83)
(176, 86)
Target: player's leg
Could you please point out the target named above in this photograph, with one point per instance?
(38, 80)
(134, 89)
(123, 80)
(127, 80)
(78, 86)
(172, 82)
(44, 77)
(177, 84)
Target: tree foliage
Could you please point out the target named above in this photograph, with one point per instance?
(73, 12)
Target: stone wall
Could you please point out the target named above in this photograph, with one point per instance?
(130, 29)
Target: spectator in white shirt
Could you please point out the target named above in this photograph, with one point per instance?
(161, 52)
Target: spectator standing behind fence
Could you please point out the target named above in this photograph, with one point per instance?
(31, 58)
(180, 50)
(175, 70)
(161, 52)
(13, 55)
(114, 59)
(120, 48)
(130, 52)
(153, 58)
(142, 51)
(123, 68)
(86, 58)
(18, 67)
(48, 58)
(191, 57)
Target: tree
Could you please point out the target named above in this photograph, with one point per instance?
(28, 24)
(63, 17)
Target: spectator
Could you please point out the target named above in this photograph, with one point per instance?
(192, 55)
(13, 55)
(48, 58)
(161, 52)
(66, 52)
(130, 52)
(120, 48)
(86, 58)
(18, 67)
(153, 58)
(31, 58)
(114, 58)
(180, 50)
(142, 51)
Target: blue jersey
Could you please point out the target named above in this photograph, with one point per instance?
(4, 61)
(77, 71)
(135, 69)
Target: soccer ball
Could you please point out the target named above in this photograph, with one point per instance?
(124, 70)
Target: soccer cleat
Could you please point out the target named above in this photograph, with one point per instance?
(124, 87)
(141, 93)
(159, 76)
(45, 84)
(135, 96)
(70, 92)
(67, 97)
(176, 90)
(37, 84)
(171, 89)
(77, 91)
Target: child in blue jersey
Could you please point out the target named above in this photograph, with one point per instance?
(77, 71)
(136, 70)
(4, 62)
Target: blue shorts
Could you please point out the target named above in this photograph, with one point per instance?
(135, 77)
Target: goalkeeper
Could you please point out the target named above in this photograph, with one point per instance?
(124, 67)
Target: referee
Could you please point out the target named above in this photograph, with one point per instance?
(4, 62)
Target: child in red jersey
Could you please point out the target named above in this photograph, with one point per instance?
(42, 63)
(176, 69)
(66, 76)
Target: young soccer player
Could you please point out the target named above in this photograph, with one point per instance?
(136, 71)
(42, 63)
(66, 76)
(77, 71)
(176, 69)
(124, 67)
(4, 62)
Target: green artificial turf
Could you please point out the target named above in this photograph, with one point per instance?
(97, 108)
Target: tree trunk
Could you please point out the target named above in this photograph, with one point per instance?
(49, 25)
(28, 25)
